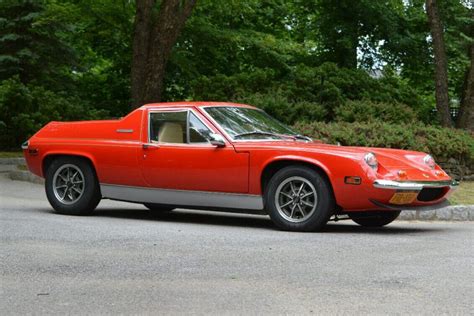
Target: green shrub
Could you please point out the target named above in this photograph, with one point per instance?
(442, 143)
(327, 85)
(24, 109)
(277, 105)
(332, 86)
(223, 88)
(367, 111)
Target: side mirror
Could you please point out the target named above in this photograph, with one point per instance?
(217, 140)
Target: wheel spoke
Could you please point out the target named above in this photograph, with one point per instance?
(286, 204)
(307, 194)
(286, 194)
(61, 186)
(64, 194)
(301, 210)
(301, 188)
(292, 210)
(69, 195)
(307, 203)
(77, 190)
(292, 186)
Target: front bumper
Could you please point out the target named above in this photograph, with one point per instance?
(429, 194)
(413, 185)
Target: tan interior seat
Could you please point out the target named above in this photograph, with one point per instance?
(170, 133)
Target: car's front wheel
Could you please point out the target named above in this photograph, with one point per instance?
(71, 186)
(298, 198)
(374, 218)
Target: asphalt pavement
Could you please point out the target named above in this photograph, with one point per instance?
(126, 259)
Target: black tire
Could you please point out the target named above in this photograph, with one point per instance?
(374, 218)
(85, 202)
(319, 214)
(158, 207)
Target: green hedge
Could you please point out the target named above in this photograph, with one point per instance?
(24, 109)
(367, 111)
(279, 106)
(442, 143)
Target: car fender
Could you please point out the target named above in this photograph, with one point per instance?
(297, 159)
(76, 153)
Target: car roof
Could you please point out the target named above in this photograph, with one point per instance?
(195, 104)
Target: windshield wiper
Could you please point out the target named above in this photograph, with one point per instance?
(299, 136)
(293, 136)
(257, 133)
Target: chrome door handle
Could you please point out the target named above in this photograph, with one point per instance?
(150, 146)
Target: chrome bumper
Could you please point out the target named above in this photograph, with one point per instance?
(25, 145)
(413, 185)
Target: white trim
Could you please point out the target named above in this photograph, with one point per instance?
(181, 197)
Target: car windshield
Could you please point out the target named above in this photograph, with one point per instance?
(248, 123)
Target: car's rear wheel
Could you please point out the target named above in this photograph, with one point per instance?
(374, 218)
(158, 207)
(71, 186)
(298, 198)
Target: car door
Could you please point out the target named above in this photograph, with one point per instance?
(177, 155)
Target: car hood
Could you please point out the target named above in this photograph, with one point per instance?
(387, 157)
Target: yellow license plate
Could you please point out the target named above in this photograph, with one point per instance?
(403, 197)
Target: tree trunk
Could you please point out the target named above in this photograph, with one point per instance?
(346, 50)
(440, 60)
(466, 112)
(141, 40)
(153, 42)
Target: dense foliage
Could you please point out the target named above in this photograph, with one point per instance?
(304, 60)
(442, 143)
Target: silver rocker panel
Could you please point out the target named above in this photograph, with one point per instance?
(181, 197)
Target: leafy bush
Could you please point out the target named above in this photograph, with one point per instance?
(223, 88)
(328, 86)
(277, 104)
(367, 111)
(442, 143)
(26, 108)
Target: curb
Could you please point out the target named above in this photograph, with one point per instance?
(7, 168)
(456, 213)
(12, 161)
(21, 175)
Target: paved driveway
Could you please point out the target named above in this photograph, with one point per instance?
(128, 260)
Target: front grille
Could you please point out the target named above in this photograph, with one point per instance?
(430, 194)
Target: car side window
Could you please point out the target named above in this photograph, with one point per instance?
(173, 127)
(198, 132)
(168, 127)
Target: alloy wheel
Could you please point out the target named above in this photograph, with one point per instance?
(68, 184)
(296, 199)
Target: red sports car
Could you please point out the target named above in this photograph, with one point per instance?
(225, 156)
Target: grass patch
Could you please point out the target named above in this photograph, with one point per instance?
(11, 154)
(464, 195)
